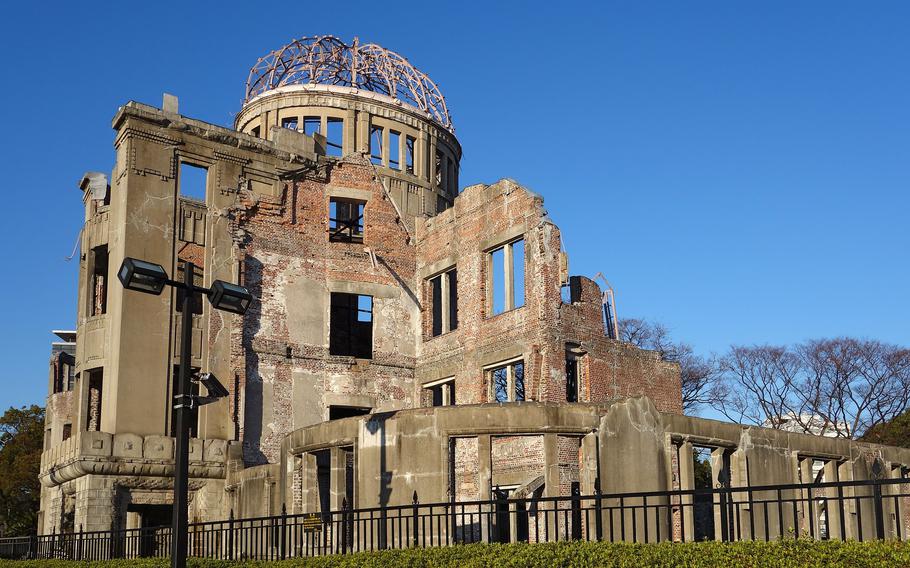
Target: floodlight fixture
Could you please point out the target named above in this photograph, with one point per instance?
(142, 276)
(213, 385)
(230, 297)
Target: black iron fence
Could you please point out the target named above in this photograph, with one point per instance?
(858, 510)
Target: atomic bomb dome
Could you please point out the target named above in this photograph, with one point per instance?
(326, 60)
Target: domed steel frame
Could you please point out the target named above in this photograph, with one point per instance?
(327, 60)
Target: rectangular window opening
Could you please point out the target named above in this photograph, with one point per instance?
(67, 431)
(99, 280)
(441, 393)
(191, 181)
(437, 168)
(346, 220)
(507, 382)
(506, 278)
(95, 388)
(394, 149)
(289, 123)
(255, 132)
(351, 325)
(336, 412)
(409, 142)
(444, 302)
(311, 125)
(376, 145)
(334, 136)
(574, 370)
(497, 264)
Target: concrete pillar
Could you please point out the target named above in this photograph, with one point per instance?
(718, 465)
(420, 156)
(686, 482)
(508, 277)
(385, 147)
(484, 480)
(349, 138)
(431, 162)
(835, 506)
(337, 474)
(362, 140)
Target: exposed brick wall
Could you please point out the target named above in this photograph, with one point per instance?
(516, 459)
(540, 329)
(285, 241)
(615, 369)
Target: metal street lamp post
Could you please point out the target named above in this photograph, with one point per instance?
(150, 278)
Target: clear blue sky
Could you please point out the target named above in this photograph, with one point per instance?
(738, 170)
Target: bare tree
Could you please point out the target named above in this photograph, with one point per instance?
(840, 387)
(698, 373)
(759, 385)
(850, 385)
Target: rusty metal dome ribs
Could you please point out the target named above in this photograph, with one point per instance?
(326, 60)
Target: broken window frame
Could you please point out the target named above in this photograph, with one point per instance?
(395, 149)
(512, 297)
(346, 229)
(443, 291)
(576, 362)
(348, 336)
(95, 379)
(438, 161)
(506, 381)
(181, 174)
(376, 134)
(409, 145)
(441, 392)
(309, 122)
(334, 136)
(99, 281)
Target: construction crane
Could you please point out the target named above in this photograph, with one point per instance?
(611, 324)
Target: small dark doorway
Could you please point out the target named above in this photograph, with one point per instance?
(152, 540)
(576, 511)
(703, 503)
(508, 512)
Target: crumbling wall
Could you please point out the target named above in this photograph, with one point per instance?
(290, 266)
(484, 217)
(615, 369)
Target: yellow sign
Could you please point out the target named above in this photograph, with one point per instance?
(312, 522)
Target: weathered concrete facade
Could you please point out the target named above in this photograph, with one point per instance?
(379, 290)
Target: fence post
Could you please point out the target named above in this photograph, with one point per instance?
(879, 511)
(877, 476)
(79, 544)
(230, 538)
(32, 547)
(598, 516)
(284, 524)
(344, 525)
(414, 516)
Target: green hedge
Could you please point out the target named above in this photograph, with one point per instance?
(577, 554)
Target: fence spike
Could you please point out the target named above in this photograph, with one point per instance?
(415, 497)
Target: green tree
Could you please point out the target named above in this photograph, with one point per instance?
(21, 443)
(895, 432)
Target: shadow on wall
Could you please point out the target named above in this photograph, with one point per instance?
(253, 393)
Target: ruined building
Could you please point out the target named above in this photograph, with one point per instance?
(406, 334)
